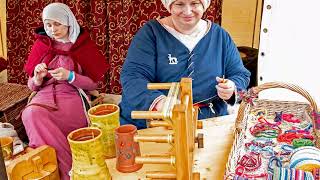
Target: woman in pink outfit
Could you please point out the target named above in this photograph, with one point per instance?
(63, 64)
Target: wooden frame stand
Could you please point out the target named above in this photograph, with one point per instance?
(179, 115)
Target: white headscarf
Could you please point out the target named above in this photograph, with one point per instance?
(167, 3)
(61, 13)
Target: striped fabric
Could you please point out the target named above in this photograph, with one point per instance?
(190, 67)
(236, 177)
(316, 174)
(291, 174)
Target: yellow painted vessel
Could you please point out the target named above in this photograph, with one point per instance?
(106, 118)
(87, 155)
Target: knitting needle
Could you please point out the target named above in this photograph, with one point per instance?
(224, 80)
(213, 97)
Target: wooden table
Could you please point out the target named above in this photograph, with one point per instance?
(209, 161)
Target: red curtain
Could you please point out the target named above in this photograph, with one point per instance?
(3, 64)
(111, 23)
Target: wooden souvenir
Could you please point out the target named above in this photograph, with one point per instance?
(106, 118)
(40, 163)
(87, 154)
(127, 148)
(179, 115)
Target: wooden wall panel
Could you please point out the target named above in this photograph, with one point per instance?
(3, 37)
(239, 19)
(256, 38)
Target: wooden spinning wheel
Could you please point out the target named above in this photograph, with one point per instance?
(179, 115)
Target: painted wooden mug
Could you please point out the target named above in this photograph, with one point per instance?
(127, 149)
(106, 118)
(87, 155)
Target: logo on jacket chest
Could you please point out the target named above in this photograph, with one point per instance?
(172, 60)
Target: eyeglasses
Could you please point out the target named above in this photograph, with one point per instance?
(183, 6)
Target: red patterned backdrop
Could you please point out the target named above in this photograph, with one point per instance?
(112, 24)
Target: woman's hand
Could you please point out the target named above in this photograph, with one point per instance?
(225, 88)
(60, 73)
(40, 71)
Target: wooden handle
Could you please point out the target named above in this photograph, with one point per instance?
(38, 165)
(288, 86)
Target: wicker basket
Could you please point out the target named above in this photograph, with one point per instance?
(251, 102)
(13, 98)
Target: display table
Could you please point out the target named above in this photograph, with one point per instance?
(209, 161)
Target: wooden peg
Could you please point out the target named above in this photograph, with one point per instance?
(155, 86)
(154, 138)
(155, 160)
(199, 140)
(199, 124)
(196, 176)
(161, 175)
(146, 115)
(158, 123)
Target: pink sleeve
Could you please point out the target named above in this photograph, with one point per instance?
(32, 85)
(84, 82)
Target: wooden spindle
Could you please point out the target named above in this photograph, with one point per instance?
(155, 160)
(146, 115)
(156, 123)
(156, 86)
(154, 138)
(161, 175)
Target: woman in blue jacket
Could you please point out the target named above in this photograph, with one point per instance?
(182, 45)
